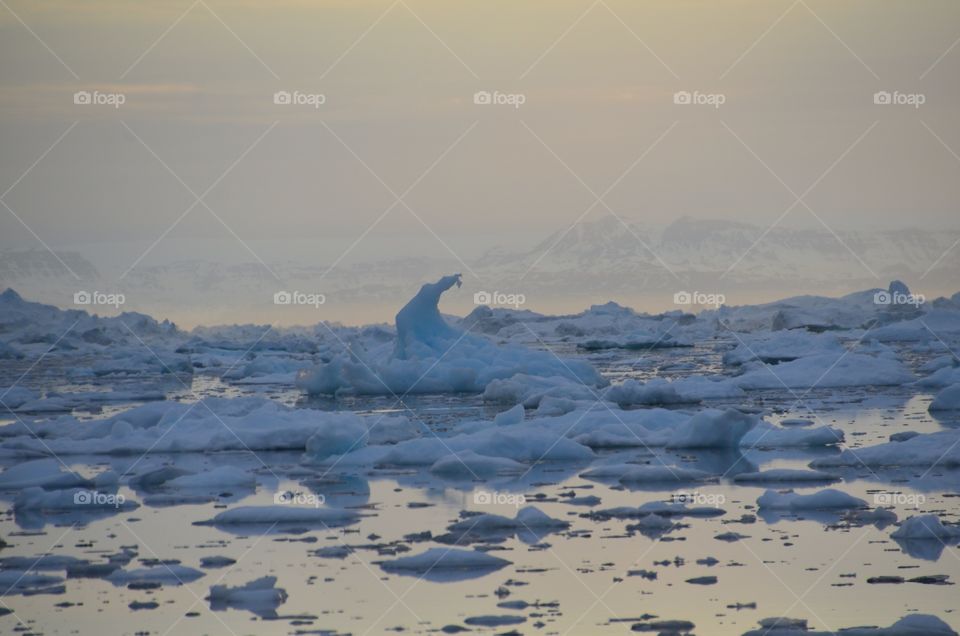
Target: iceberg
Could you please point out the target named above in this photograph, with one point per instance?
(431, 356)
(445, 564)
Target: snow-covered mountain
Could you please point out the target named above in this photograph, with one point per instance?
(592, 262)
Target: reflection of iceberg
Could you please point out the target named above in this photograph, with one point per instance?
(925, 536)
(261, 596)
(431, 356)
(445, 565)
(912, 625)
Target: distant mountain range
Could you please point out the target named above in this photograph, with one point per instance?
(574, 267)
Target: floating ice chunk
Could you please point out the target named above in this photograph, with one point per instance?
(260, 596)
(655, 392)
(781, 346)
(282, 516)
(439, 564)
(215, 424)
(72, 499)
(530, 525)
(912, 625)
(926, 527)
(173, 574)
(712, 428)
(498, 620)
(220, 477)
(941, 448)
(46, 473)
(14, 396)
(784, 475)
(9, 352)
(420, 323)
(663, 474)
(431, 356)
(65, 402)
(938, 323)
(528, 517)
(940, 362)
(658, 391)
(528, 443)
(467, 464)
(531, 391)
(216, 561)
(510, 417)
(827, 499)
(337, 438)
(391, 430)
(653, 521)
(21, 582)
(827, 370)
(43, 563)
(768, 435)
(53, 404)
(947, 400)
(943, 377)
(266, 369)
(662, 508)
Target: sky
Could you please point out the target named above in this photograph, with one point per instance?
(388, 153)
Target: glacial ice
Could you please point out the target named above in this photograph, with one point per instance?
(827, 499)
(947, 400)
(826, 370)
(431, 356)
(445, 564)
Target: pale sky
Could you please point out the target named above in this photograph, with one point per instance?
(597, 81)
